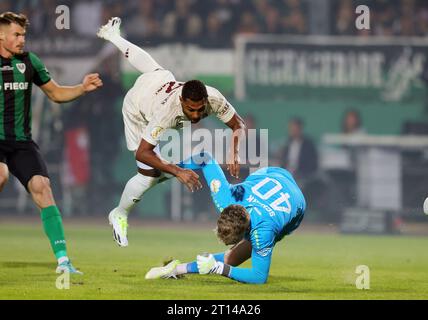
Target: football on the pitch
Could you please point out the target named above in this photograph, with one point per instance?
(426, 206)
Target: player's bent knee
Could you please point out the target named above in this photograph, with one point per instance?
(262, 279)
(39, 185)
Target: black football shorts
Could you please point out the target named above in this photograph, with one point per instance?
(23, 159)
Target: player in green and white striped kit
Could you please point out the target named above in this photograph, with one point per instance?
(19, 154)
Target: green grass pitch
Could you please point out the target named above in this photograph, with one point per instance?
(305, 265)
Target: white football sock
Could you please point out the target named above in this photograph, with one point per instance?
(136, 56)
(63, 259)
(134, 190)
(181, 269)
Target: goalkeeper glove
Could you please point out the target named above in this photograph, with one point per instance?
(208, 264)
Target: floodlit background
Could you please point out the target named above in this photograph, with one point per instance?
(300, 69)
(294, 67)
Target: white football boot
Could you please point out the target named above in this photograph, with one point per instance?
(110, 29)
(119, 222)
(165, 272)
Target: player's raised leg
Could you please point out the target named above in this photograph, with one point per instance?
(138, 57)
(41, 192)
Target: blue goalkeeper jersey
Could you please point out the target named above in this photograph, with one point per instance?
(275, 204)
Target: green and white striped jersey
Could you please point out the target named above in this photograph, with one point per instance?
(17, 74)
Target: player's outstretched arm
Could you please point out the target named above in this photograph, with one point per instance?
(237, 125)
(214, 176)
(60, 94)
(227, 114)
(257, 274)
(146, 154)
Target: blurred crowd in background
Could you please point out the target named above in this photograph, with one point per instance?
(209, 24)
(214, 23)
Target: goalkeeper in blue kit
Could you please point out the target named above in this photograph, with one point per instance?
(254, 216)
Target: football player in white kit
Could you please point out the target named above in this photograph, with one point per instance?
(157, 102)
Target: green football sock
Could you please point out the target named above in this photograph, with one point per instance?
(52, 224)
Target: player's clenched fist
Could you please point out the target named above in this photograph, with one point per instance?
(190, 179)
(91, 82)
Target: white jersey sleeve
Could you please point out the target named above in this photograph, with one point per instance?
(157, 127)
(219, 105)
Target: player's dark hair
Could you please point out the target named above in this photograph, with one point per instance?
(7, 18)
(194, 90)
(232, 224)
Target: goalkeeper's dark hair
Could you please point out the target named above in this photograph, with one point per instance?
(232, 224)
(7, 18)
(194, 90)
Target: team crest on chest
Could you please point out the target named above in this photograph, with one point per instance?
(21, 67)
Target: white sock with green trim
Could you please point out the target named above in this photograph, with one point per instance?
(181, 269)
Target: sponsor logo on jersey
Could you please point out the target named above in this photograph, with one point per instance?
(6, 68)
(21, 67)
(8, 86)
